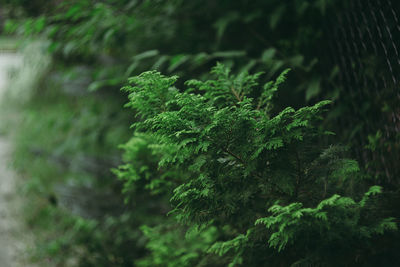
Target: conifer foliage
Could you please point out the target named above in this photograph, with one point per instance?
(248, 185)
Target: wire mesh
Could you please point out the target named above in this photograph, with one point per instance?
(364, 38)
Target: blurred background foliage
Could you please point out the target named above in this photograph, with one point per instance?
(72, 119)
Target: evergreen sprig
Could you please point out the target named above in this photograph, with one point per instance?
(262, 180)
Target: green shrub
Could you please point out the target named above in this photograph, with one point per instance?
(261, 181)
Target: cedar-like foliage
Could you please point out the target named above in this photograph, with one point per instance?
(256, 188)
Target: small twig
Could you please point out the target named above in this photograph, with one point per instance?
(236, 94)
(235, 156)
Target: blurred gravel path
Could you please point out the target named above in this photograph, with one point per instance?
(13, 239)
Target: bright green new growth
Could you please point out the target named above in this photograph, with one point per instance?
(260, 179)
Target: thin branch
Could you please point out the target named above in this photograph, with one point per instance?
(236, 94)
(235, 156)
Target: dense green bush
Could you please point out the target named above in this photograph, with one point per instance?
(261, 183)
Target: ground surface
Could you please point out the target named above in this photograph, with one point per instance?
(14, 238)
